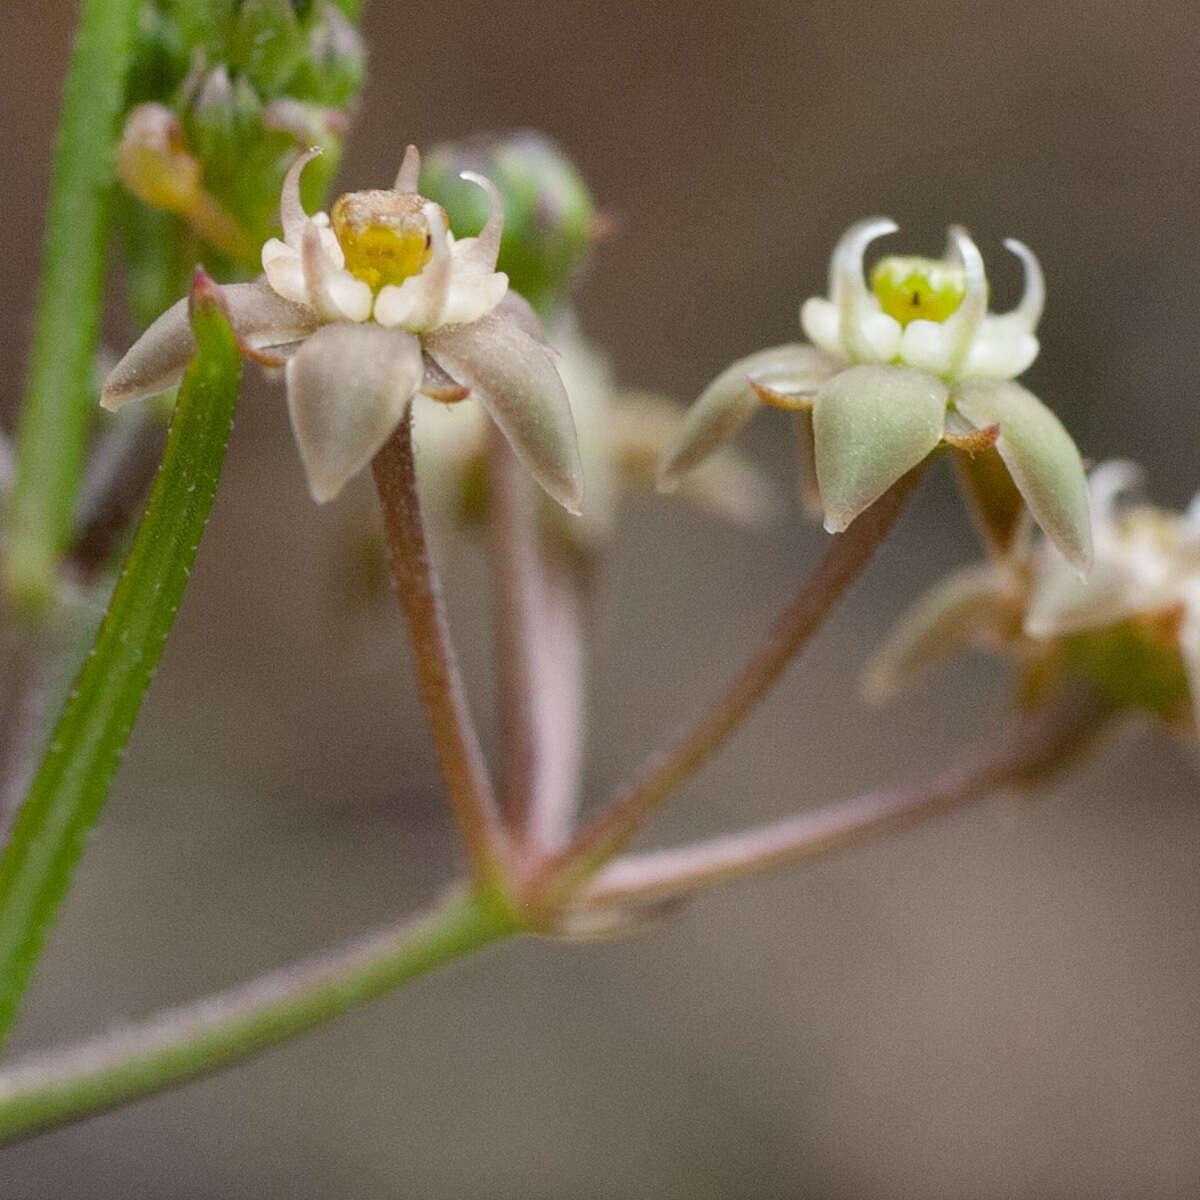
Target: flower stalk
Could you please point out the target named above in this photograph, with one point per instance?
(86, 746)
(220, 1030)
(1033, 746)
(670, 768)
(539, 656)
(454, 734)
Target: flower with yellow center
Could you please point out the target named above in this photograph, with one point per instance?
(369, 306)
(893, 370)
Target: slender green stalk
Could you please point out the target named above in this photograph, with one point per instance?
(225, 1028)
(86, 746)
(59, 398)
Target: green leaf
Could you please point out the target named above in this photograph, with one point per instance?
(86, 745)
(60, 400)
(1040, 456)
(871, 425)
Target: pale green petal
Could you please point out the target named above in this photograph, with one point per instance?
(515, 380)
(1040, 456)
(729, 402)
(347, 388)
(967, 603)
(871, 425)
(260, 317)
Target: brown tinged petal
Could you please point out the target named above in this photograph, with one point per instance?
(731, 400)
(514, 379)
(347, 388)
(1041, 457)
(260, 317)
(871, 425)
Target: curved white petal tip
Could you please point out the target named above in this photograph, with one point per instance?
(409, 175)
(292, 216)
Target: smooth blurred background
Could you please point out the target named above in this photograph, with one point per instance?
(1004, 1004)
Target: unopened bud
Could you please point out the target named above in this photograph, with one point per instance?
(549, 216)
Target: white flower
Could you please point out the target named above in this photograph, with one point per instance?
(1146, 580)
(368, 306)
(896, 369)
(926, 314)
(1133, 625)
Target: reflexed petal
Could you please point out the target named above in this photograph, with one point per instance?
(871, 425)
(855, 304)
(949, 616)
(1033, 299)
(964, 323)
(1040, 456)
(347, 388)
(729, 402)
(292, 216)
(479, 254)
(157, 360)
(511, 375)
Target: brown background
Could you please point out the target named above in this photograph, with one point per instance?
(1003, 1005)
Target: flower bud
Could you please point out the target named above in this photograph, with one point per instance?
(549, 215)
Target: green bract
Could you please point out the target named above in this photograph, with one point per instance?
(891, 374)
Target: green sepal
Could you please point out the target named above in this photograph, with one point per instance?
(870, 426)
(1041, 458)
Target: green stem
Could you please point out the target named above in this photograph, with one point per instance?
(86, 746)
(60, 398)
(223, 1029)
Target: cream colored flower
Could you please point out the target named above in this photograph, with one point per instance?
(894, 370)
(1133, 625)
(368, 306)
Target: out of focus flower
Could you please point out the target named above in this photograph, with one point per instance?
(1132, 627)
(898, 368)
(368, 306)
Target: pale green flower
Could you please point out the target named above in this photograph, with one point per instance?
(369, 306)
(895, 369)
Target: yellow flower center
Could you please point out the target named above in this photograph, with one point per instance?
(384, 235)
(911, 288)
